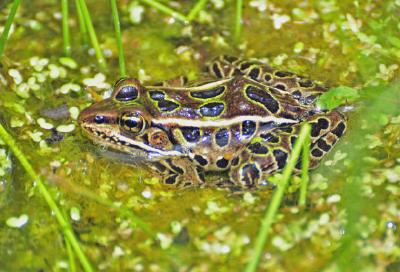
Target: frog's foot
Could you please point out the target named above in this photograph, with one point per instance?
(326, 130)
(180, 173)
(271, 153)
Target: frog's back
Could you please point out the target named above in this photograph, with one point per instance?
(230, 100)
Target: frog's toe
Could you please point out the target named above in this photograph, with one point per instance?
(247, 174)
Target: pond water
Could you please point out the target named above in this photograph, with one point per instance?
(353, 212)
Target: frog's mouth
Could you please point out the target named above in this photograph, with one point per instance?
(108, 136)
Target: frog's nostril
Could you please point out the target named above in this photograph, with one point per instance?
(99, 119)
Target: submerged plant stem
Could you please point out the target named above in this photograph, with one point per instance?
(65, 28)
(276, 200)
(7, 26)
(62, 221)
(305, 165)
(167, 10)
(196, 9)
(92, 33)
(117, 29)
(238, 20)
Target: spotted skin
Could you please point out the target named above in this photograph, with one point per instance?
(242, 120)
(270, 155)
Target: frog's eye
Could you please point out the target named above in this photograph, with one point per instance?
(126, 93)
(132, 122)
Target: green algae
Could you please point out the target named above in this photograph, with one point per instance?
(337, 42)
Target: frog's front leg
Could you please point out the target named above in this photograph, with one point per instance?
(179, 173)
(271, 150)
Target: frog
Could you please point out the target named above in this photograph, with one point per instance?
(241, 120)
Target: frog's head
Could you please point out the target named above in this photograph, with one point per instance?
(122, 123)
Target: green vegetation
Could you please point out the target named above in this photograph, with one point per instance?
(65, 27)
(64, 224)
(341, 217)
(117, 29)
(7, 26)
(92, 33)
(277, 197)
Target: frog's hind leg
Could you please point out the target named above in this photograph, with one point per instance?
(179, 173)
(326, 130)
(270, 153)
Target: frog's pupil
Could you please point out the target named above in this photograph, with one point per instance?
(99, 119)
(131, 123)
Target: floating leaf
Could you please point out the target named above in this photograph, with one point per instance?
(336, 97)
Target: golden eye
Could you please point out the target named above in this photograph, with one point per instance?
(132, 122)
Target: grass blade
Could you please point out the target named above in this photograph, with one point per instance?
(7, 26)
(71, 260)
(238, 20)
(305, 165)
(196, 9)
(82, 25)
(167, 10)
(63, 222)
(92, 33)
(117, 29)
(276, 200)
(65, 28)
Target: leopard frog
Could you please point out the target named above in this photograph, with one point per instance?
(242, 121)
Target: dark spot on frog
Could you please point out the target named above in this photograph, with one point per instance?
(201, 160)
(316, 128)
(296, 95)
(171, 180)
(254, 73)
(269, 137)
(230, 59)
(222, 137)
(262, 97)
(305, 83)
(166, 105)
(250, 174)
(283, 74)
(174, 167)
(287, 130)
(258, 148)
(209, 93)
(235, 161)
(157, 95)
(281, 86)
(280, 157)
(159, 167)
(323, 145)
(248, 128)
(293, 140)
(191, 134)
(267, 77)
(338, 131)
(216, 70)
(222, 163)
(317, 153)
(212, 109)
